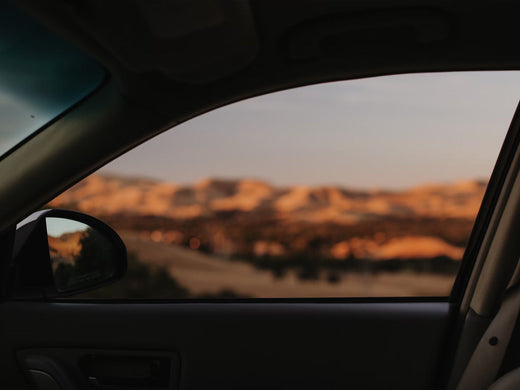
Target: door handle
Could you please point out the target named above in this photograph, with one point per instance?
(100, 369)
(126, 371)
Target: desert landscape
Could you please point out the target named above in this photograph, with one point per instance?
(65, 246)
(249, 238)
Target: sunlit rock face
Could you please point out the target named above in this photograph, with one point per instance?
(284, 221)
(113, 195)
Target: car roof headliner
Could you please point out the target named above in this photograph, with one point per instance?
(194, 55)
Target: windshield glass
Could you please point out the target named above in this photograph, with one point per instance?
(41, 76)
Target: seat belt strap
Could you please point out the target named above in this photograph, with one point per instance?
(486, 360)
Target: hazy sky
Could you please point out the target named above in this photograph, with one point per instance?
(391, 131)
(58, 226)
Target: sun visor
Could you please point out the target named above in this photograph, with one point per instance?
(188, 41)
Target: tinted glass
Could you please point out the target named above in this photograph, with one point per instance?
(41, 76)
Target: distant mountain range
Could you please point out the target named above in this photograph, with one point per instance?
(110, 195)
(254, 219)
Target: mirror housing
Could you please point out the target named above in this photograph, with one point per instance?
(60, 252)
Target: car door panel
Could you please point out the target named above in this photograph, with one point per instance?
(245, 345)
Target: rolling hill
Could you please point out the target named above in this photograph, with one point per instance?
(109, 195)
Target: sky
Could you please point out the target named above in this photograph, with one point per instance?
(384, 132)
(58, 226)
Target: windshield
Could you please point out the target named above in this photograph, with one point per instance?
(41, 76)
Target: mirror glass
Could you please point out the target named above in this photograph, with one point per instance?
(80, 255)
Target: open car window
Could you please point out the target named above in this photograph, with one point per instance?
(362, 188)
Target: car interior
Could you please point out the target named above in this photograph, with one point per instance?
(148, 66)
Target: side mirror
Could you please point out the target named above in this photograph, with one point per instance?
(60, 252)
